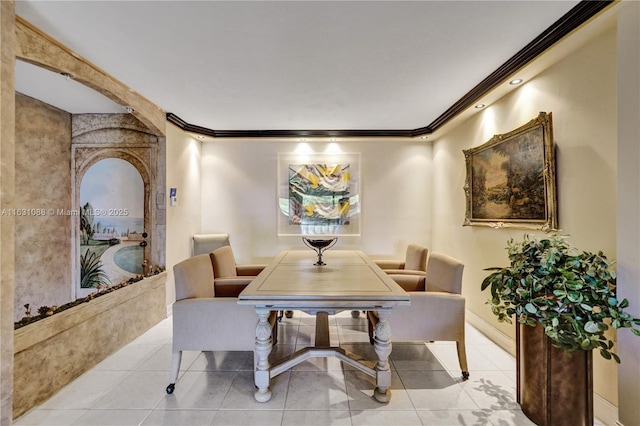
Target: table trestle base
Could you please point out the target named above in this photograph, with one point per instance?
(322, 349)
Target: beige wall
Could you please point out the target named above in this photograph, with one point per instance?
(43, 182)
(183, 220)
(580, 91)
(239, 179)
(629, 206)
(236, 195)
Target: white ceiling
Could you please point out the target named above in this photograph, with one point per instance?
(243, 65)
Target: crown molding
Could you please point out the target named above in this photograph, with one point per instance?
(573, 19)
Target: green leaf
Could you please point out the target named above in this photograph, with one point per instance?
(559, 293)
(574, 285)
(531, 308)
(591, 327)
(574, 296)
(616, 358)
(605, 354)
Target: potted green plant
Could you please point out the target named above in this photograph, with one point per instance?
(568, 297)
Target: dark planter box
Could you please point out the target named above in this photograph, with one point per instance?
(554, 388)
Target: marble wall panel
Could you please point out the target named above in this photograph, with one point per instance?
(7, 189)
(43, 193)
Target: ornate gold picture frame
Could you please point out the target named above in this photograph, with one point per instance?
(511, 179)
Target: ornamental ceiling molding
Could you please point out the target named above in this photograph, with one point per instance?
(573, 19)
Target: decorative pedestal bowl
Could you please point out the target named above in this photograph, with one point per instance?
(320, 245)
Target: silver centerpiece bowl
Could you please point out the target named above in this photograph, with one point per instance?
(320, 246)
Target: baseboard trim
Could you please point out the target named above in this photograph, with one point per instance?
(603, 410)
(497, 336)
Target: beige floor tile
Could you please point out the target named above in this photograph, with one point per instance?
(453, 417)
(360, 388)
(247, 418)
(317, 391)
(218, 387)
(240, 395)
(509, 418)
(179, 418)
(395, 418)
(431, 390)
(199, 390)
(112, 418)
(41, 417)
(139, 390)
(315, 417)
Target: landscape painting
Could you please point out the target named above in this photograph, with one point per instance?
(511, 179)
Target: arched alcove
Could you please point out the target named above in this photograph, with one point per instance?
(98, 137)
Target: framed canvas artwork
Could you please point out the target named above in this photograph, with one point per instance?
(318, 194)
(511, 179)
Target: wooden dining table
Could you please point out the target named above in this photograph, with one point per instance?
(349, 281)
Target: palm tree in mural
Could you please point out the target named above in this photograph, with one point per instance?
(91, 273)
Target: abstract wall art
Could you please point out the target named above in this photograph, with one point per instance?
(318, 194)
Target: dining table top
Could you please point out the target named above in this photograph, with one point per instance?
(350, 279)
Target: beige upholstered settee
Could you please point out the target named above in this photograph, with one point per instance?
(206, 314)
(437, 311)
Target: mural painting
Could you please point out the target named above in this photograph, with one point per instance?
(111, 224)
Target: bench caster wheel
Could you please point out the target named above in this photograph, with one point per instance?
(465, 375)
(170, 388)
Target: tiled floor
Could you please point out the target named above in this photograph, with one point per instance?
(216, 388)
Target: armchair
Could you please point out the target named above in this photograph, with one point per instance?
(205, 319)
(230, 278)
(437, 311)
(206, 243)
(415, 262)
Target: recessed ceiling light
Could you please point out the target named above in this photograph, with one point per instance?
(515, 81)
(480, 106)
(423, 137)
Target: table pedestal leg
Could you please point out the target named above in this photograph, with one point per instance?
(382, 346)
(262, 350)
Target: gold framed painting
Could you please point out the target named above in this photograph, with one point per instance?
(511, 179)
